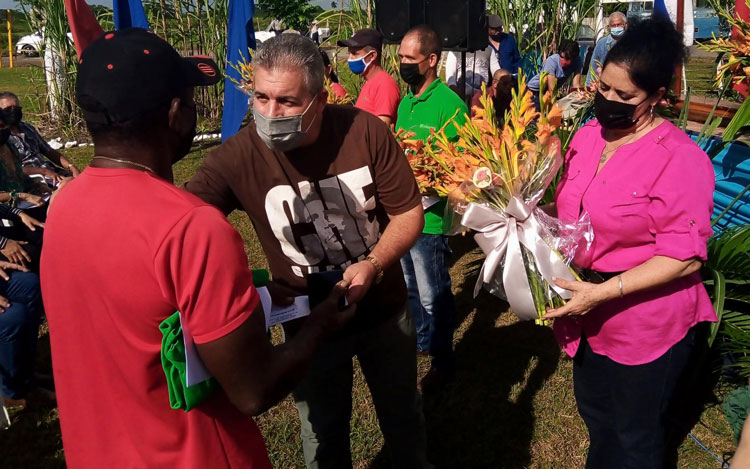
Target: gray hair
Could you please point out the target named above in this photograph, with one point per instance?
(617, 14)
(293, 52)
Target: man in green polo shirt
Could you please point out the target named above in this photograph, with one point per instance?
(430, 104)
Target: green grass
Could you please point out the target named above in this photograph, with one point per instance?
(699, 74)
(511, 404)
(28, 84)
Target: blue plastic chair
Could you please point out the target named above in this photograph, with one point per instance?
(732, 171)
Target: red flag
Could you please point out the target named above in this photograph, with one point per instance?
(83, 24)
(742, 12)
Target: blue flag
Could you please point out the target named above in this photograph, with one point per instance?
(240, 37)
(660, 10)
(129, 14)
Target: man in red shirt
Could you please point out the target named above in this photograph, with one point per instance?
(380, 95)
(141, 250)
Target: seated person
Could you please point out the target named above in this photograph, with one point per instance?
(561, 66)
(31, 147)
(17, 188)
(501, 93)
(20, 314)
(20, 237)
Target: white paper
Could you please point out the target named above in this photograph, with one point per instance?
(279, 314)
(429, 201)
(195, 370)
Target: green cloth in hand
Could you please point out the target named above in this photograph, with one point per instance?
(174, 363)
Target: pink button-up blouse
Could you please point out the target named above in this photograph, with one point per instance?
(654, 197)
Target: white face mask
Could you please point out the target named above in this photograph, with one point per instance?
(282, 133)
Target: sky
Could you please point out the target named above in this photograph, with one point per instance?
(12, 4)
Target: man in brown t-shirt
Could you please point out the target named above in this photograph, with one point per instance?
(328, 188)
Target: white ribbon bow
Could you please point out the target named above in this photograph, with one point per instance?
(503, 233)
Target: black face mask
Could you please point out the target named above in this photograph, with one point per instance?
(614, 114)
(187, 143)
(410, 73)
(12, 115)
(4, 135)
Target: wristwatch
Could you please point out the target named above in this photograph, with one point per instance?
(378, 268)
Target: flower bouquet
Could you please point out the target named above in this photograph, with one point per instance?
(494, 175)
(736, 50)
(438, 173)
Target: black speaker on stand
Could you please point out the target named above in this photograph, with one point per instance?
(395, 17)
(461, 24)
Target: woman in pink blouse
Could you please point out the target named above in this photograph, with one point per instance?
(648, 190)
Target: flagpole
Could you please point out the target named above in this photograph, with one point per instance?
(680, 28)
(10, 40)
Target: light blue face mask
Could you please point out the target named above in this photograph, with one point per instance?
(358, 66)
(617, 31)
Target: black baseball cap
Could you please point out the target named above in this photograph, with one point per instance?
(128, 72)
(362, 38)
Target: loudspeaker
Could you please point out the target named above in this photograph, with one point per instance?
(462, 24)
(395, 17)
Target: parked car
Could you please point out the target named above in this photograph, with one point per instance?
(262, 36)
(32, 45)
(323, 34)
(706, 21)
(586, 39)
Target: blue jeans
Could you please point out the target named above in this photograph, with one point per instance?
(324, 397)
(430, 298)
(19, 329)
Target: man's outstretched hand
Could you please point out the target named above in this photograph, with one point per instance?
(328, 315)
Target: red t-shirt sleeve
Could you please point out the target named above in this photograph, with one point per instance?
(380, 96)
(386, 98)
(201, 266)
(339, 90)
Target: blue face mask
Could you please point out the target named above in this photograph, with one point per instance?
(617, 31)
(358, 66)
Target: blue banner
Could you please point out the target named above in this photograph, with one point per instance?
(129, 14)
(240, 37)
(660, 10)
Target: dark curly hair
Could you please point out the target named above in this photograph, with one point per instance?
(650, 50)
